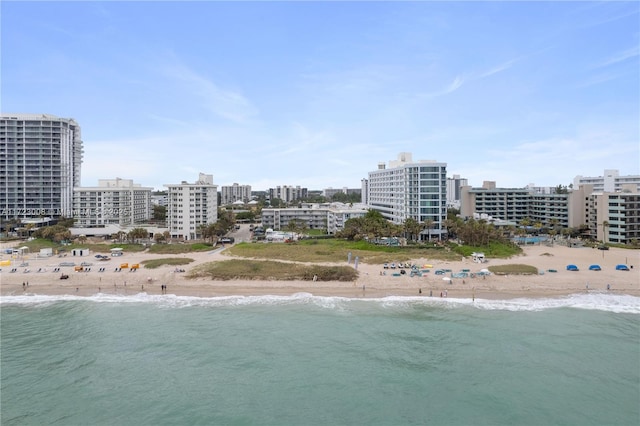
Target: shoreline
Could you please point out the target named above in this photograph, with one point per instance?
(376, 281)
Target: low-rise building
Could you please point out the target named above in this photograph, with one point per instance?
(113, 202)
(330, 217)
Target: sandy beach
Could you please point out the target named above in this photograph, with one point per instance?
(373, 281)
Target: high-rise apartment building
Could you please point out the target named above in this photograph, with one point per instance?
(453, 190)
(229, 194)
(328, 193)
(288, 193)
(40, 160)
(192, 205)
(614, 217)
(113, 202)
(408, 189)
(610, 182)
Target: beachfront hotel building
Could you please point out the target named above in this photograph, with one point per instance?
(191, 206)
(229, 194)
(518, 204)
(113, 202)
(40, 161)
(410, 189)
(612, 217)
(330, 217)
(611, 181)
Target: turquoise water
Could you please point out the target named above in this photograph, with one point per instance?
(305, 360)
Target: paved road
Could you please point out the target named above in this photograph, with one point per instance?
(241, 235)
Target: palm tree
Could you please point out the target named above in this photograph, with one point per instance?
(202, 231)
(411, 228)
(428, 224)
(296, 226)
(137, 233)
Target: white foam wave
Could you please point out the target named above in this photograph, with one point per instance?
(592, 301)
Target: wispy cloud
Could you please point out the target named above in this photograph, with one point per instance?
(502, 67)
(224, 103)
(461, 80)
(457, 83)
(619, 57)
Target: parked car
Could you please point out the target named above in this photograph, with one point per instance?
(603, 247)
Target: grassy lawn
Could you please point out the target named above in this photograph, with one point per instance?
(333, 250)
(495, 250)
(514, 269)
(179, 248)
(156, 263)
(271, 270)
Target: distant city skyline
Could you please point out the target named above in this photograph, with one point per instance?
(316, 94)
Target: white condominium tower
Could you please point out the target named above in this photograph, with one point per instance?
(408, 189)
(192, 205)
(40, 159)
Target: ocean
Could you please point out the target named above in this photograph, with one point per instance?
(307, 360)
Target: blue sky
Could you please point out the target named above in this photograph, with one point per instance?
(316, 94)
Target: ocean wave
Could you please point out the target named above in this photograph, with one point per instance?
(591, 301)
